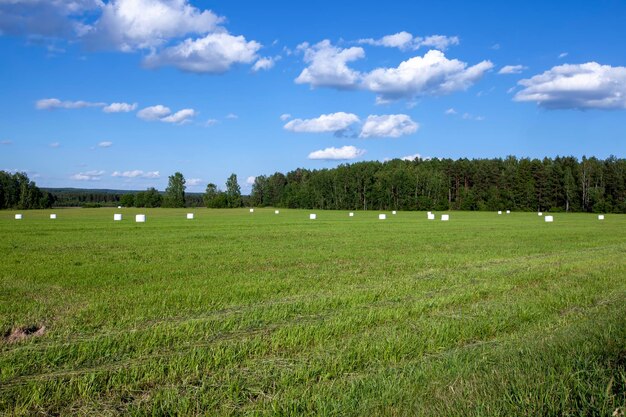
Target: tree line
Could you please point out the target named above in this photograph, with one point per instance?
(550, 184)
(17, 191)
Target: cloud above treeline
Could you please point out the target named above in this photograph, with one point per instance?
(389, 125)
(432, 74)
(582, 86)
(337, 154)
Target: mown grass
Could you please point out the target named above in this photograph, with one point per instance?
(235, 313)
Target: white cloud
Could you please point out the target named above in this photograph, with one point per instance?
(328, 65)
(211, 122)
(232, 116)
(343, 153)
(285, 116)
(154, 112)
(333, 122)
(192, 182)
(450, 111)
(215, 53)
(263, 64)
(105, 144)
(137, 173)
(180, 117)
(128, 25)
(120, 108)
(563, 55)
(404, 40)
(401, 40)
(582, 86)
(55, 103)
(412, 157)
(512, 69)
(55, 145)
(95, 175)
(152, 174)
(440, 42)
(389, 125)
(250, 180)
(432, 74)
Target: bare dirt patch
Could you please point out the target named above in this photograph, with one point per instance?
(22, 333)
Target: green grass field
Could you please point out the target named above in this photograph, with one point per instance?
(235, 313)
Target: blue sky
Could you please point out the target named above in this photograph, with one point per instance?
(122, 93)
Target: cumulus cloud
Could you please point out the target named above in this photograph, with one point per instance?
(327, 65)
(137, 173)
(55, 103)
(512, 69)
(119, 108)
(440, 42)
(450, 111)
(175, 32)
(181, 116)
(581, 86)
(401, 40)
(105, 144)
(404, 40)
(285, 116)
(154, 112)
(389, 125)
(263, 64)
(215, 53)
(432, 74)
(332, 153)
(128, 25)
(192, 182)
(95, 175)
(332, 122)
(250, 180)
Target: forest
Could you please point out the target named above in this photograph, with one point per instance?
(550, 184)
(17, 191)
(561, 184)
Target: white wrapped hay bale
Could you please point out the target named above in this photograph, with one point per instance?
(394, 212)
(600, 216)
(18, 217)
(351, 214)
(251, 210)
(189, 216)
(312, 216)
(117, 217)
(499, 211)
(382, 216)
(549, 219)
(508, 212)
(140, 218)
(539, 214)
(431, 216)
(445, 217)
(53, 216)
(276, 212)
